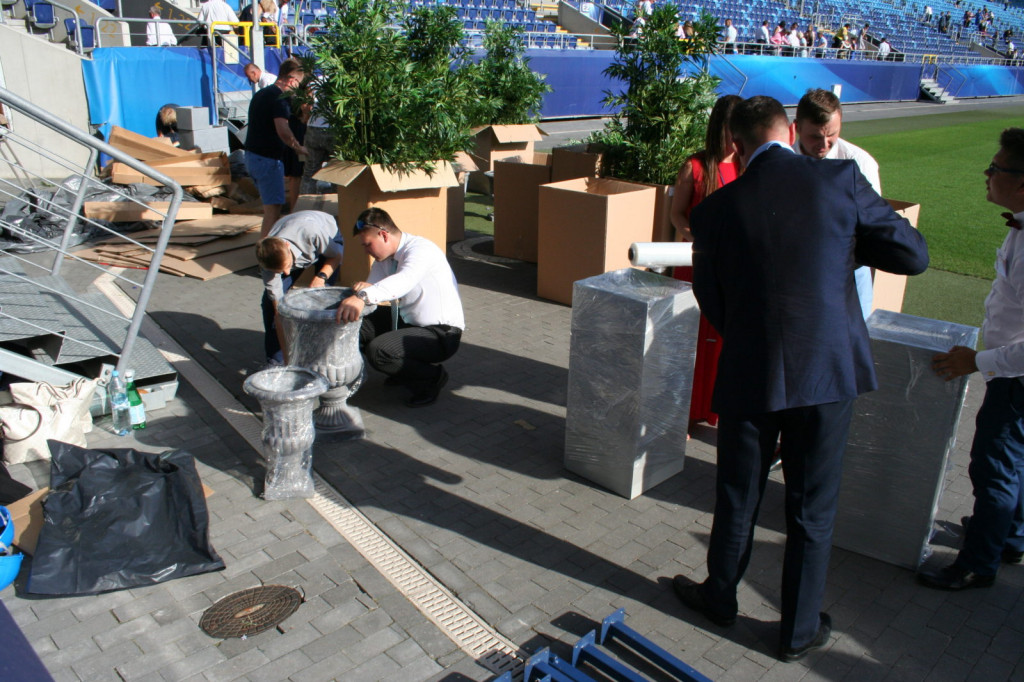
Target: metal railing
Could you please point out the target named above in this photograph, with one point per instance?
(65, 204)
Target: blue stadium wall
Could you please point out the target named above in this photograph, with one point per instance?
(126, 86)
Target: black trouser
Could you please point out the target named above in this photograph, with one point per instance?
(408, 353)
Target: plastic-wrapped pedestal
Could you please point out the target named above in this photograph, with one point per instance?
(315, 341)
(286, 395)
(634, 337)
(900, 439)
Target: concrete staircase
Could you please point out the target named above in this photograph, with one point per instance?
(935, 92)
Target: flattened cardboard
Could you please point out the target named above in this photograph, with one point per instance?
(585, 228)
(417, 202)
(517, 182)
(141, 147)
(889, 288)
(129, 211)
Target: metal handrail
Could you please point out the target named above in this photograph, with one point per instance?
(134, 20)
(95, 147)
(74, 13)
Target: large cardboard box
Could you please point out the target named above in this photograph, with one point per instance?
(586, 226)
(575, 161)
(517, 182)
(416, 201)
(889, 288)
(493, 143)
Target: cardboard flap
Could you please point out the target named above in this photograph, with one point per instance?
(389, 181)
(342, 173)
(517, 133)
(464, 163)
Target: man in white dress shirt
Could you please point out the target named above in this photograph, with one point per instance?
(995, 533)
(260, 79)
(730, 37)
(819, 119)
(212, 11)
(157, 32)
(413, 274)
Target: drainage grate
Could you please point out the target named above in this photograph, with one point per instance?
(250, 611)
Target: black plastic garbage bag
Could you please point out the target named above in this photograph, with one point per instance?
(120, 518)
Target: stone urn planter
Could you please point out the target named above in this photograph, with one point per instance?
(315, 341)
(287, 396)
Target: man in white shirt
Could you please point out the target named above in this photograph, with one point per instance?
(884, 48)
(819, 119)
(730, 37)
(260, 79)
(213, 11)
(157, 32)
(995, 532)
(763, 35)
(412, 273)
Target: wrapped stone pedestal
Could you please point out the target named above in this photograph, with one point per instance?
(287, 396)
(316, 341)
(900, 439)
(634, 340)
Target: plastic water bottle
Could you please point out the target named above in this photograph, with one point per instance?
(119, 408)
(136, 410)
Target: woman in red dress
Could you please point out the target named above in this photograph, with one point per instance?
(702, 174)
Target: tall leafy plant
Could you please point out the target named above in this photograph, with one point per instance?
(508, 91)
(663, 110)
(389, 83)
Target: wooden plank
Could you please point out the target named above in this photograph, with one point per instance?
(141, 147)
(127, 211)
(205, 159)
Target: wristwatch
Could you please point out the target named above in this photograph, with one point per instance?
(321, 276)
(363, 295)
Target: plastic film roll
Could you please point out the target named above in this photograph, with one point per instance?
(660, 254)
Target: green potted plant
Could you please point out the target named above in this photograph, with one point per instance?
(393, 88)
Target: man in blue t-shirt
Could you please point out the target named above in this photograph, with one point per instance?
(268, 136)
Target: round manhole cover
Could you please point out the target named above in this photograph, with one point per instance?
(250, 611)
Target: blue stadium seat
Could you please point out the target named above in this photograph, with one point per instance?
(307, 18)
(43, 16)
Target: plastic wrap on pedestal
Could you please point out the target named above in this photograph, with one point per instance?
(634, 336)
(900, 439)
(287, 396)
(317, 342)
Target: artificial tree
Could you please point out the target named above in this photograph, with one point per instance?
(391, 84)
(508, 91)
(663, 111)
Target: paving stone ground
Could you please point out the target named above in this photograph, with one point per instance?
(473, 488)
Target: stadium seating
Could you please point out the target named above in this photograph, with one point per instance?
(43, 16)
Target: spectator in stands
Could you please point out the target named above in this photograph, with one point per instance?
(259, 78)
(780, 38)
(167, 123)
(157, 32)
(819, 120)
(295, 242)
(730, 37)
(927, 18)
(763, 35)
(412, 273)
(841, 35)
(213, 11)
(793, 39)
(864, 39)
(822, 46)
(644, 8)
(884, 49)
(268, 136)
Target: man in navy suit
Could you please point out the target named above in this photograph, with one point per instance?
(774, 255)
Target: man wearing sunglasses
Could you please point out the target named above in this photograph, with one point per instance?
(422, 327)
(995, 532)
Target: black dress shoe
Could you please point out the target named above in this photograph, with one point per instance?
(429, 395)
(820, 640)
(1009, 556)
(955, 578)
(691, 594)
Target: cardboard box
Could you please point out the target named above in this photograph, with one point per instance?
(27, 515)
(517, 182)
(493, 143)
(575, 161)
(192, 118)
(416, 201)
(889, 288)
(585, 228)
